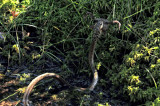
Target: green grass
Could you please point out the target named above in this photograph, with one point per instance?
(58, 29)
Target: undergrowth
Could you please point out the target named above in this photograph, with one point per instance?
(39, 30)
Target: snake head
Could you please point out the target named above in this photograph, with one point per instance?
(98, 29)
(106, 23)
(99, 26)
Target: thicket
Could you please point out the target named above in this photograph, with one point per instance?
(128, 60)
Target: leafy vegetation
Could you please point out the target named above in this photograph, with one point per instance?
(38, 33)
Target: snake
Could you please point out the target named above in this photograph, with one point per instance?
(100, 26)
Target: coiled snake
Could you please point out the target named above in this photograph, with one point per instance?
(100, 26)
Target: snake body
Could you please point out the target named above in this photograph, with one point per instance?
(100, 26)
